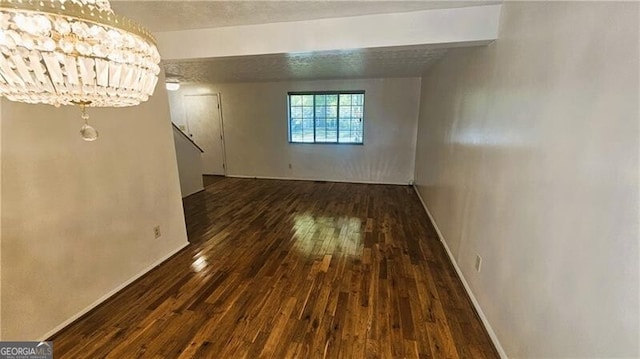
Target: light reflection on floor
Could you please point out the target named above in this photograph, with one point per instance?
(317, 235)
(200, 263)
(310, 232)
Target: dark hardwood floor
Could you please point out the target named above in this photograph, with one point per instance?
(208, 180)
(292, 269)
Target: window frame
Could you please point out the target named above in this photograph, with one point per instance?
(314, 93)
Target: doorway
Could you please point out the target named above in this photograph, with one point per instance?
(203, 118)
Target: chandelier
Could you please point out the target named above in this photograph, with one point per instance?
(74, 52)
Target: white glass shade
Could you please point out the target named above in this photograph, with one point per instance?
(173, 86)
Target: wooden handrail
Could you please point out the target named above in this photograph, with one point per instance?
(187, 137)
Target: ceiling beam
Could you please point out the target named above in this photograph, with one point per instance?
(456, 27)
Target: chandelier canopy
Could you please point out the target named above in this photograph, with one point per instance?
(64, 52)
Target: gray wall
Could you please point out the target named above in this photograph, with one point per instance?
(77, 218)
(527, 155)
(189, 164)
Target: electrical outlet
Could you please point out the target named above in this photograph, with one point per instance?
(478, 262)
(156, 231)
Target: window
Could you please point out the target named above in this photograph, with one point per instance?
(326, 117)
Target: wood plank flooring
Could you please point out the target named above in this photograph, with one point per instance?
(292, 269)
(208, 180)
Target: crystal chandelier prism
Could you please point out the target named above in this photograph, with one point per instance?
(74, 52)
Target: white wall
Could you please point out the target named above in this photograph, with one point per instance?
(77, 217)
(255, 130)
(528, 155)
(189, 164)
(177, 110)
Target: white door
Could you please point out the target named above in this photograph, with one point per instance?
(205, 128)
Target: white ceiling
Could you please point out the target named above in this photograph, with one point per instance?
(365, 63)
(399, 61)
(171, 15)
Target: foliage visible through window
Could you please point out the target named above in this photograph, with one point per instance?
(326, 117)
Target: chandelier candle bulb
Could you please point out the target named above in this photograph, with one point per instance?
(74, 52)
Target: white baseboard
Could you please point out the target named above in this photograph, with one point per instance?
(319, 179)
(485, 321)
(108, 295)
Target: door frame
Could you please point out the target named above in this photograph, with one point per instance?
(222, 138)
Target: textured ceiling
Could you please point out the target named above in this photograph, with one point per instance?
(170, 15)
(366, 63)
